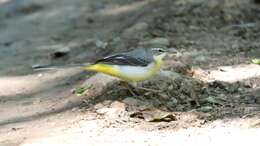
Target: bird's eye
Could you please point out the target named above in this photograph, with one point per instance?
(161, 50)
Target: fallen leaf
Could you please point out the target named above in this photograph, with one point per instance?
(154, 115)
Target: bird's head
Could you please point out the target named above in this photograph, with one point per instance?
(161, 53)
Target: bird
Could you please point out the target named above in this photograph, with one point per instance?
(133, 66)
(130, 67)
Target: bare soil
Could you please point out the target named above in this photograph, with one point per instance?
(209, 94)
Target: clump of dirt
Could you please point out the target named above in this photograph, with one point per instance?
(171, 93)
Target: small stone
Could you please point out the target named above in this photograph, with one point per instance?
(118, 105)
(174, 101)
(116, 39)
(205, 109)
(99, 106)
(250, 99)
(164, 96)
(132, 101)
(193, 27)
(201, 58)
(101, 44)
(64, 50)
(103, 110)
(116, 110)
(170, 87)
(74, 109)
(140, 26)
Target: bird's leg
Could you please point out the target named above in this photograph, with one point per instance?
(129, 88)
(134, 85)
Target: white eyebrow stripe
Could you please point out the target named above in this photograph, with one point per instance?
(120, 57)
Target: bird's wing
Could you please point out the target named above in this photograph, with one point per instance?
(124, 59)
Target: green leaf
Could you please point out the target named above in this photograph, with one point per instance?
(80, 91)
(256, 61)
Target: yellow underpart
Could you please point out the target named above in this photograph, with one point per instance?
(103, 68)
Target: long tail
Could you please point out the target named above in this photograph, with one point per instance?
(51, 67)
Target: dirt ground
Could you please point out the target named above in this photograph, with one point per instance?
(209, 94)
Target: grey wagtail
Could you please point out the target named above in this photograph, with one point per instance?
(133, 66)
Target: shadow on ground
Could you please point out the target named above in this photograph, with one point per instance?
(209, 34)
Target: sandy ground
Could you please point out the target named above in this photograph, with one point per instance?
(217, 41)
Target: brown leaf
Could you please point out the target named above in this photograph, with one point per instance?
(154, 115)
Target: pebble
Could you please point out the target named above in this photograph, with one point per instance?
(116, 110)
(101, 44)
(132, 101)
(64, 50)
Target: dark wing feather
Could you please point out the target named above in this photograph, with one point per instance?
(123, 59)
